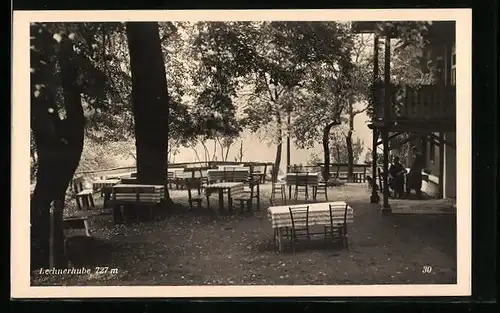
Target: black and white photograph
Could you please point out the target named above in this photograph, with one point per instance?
(274, 150)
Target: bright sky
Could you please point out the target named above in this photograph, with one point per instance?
(256, 150)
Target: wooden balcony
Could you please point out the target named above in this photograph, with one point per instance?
(429, 108)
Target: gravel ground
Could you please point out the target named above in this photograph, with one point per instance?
(205, 248)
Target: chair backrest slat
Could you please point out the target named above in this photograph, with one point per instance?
(335, 218)
(299, 216)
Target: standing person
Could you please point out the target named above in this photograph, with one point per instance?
(396, 176)
(415, 176)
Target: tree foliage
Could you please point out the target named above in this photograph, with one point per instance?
(339, 152)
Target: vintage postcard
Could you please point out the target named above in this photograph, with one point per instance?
(241, 153)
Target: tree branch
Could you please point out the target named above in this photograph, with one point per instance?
(356, 112)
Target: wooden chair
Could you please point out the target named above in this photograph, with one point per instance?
(320, 188)
(250, 192)
(337, 230)
(244, 198)
(85, 195)
(301, 187)
(300, 224)
(278, 188)
(195, 184)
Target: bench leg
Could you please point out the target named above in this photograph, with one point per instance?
(85, 202)
(118, 214)
(87, 228)
(92, 201)
(78, 204)
(283, 194)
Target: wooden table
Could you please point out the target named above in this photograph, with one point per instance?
(300, 179)
(101, 183)
(233, 189)
(105, 186)
(120, 175)
(319, 214)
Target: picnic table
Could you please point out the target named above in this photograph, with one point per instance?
(233, 189)
(319, 214)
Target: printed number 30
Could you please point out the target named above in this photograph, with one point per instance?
(427, 269)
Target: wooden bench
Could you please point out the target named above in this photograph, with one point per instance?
(85, 195)
(77, 221)
(228, 175)
(248, 194)
(195, 184)
(136, 196)
(128, 180)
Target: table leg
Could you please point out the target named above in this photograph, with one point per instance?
(229, 200)
(289, 191)
(258, 196)
(107, 196)
(221, 200)
(280, 239)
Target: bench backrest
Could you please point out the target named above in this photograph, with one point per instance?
(136, 194)
(78, 183)
(301, 180)
(129, 180)
(193, 183)
(228, 175)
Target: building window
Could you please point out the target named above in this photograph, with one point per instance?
(453, 66)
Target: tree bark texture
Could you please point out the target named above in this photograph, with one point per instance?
(59, 145)
(326, 150)
(150, 102)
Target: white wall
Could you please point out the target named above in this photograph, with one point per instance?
(431, 187)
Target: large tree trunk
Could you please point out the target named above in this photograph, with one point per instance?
(150, 102)
(59, 146)
(279, 147)
(350, 156)
(326, 150)
(348, 141)
(288, 148)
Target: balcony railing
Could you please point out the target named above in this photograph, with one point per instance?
(426, 102)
